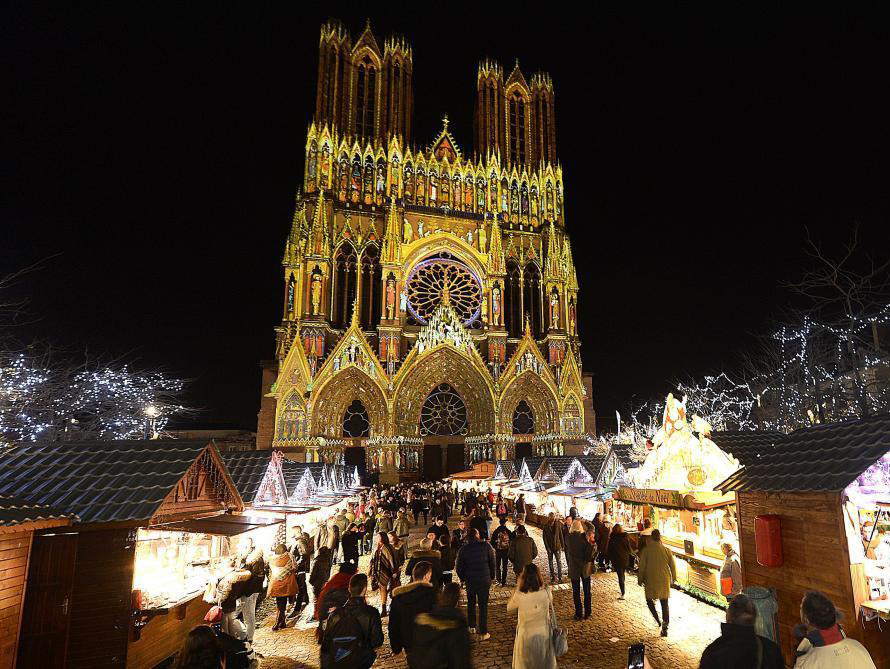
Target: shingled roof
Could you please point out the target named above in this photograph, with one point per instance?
(16, 511)
(99, 481)
(593, 463)
(533, 465)
(825, 458)
(559, 464)
(247, 469)
(746, 447)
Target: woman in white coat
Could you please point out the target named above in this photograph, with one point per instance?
(533, 648)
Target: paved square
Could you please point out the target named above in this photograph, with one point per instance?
(600, 642)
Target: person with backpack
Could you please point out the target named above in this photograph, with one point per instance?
(418, 596)
(353, 631)
(441, 637)
(501, 539)
(523, 550)
(500, 507)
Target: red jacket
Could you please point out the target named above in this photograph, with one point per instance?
(339, 581)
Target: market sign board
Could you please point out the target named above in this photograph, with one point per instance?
(650, 496)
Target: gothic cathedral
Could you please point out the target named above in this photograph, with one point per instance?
(429, 295)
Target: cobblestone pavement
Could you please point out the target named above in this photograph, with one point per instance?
(600, 642)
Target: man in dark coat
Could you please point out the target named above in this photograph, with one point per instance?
(475, 567)
(321, 571)
(480, 522)
(522, 551)
(738, 647)
(426, 554)
(579, 554)
(459, 536)
(501, 539)
(354, 620)
(441, 637)
(553, 545)
(438, 528)
(416, 597)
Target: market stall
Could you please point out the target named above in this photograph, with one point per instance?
(505, 472)
(674, 489)
(813, 516)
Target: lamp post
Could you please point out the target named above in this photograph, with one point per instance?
(151, 413)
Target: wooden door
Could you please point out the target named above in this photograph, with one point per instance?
(432, 462)
(45, 619)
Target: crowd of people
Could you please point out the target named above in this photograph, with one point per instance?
(418, 587)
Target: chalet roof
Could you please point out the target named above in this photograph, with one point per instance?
(99, 481)
(15, 511)
(247, 469)
(559, 463)
(533, 465)
(507, 468)
(293, 472)
(746, 447)
(593, 464)
(821, 459)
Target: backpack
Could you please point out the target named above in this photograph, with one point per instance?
(503, 542)
(502, 510)
(347, 644)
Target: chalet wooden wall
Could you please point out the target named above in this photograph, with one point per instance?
(100, 602)
(163, 636)
(14, 549)
(815, 558)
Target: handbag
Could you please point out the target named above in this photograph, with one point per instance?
(557, 635)
(214, 615)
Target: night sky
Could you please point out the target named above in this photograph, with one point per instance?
(153, 149)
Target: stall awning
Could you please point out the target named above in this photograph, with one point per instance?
(226, 525)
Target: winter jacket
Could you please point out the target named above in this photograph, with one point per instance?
(657, 570)
(732, 569)
(302, 554)
(736, 648)
(407, 601)
(230, 587)
(579, 553)
(321, 536)
(523, 551)
(384, 523)
(372, 631)
(553, 536)
(602, 537)
(441, 640)
(438, 530)
(256, 565)
(481, 524)
(501, 529)
(282, 575)
(334, 593)
(831, 649)
(350, 546)
(475, 564)
(342, 522)
(401, 526)
(433, 557)
(321, 568)
(458, 538)
(618, 550)
(384, 571)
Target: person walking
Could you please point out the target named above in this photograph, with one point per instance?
(738, 647)
(579, 558)
(443, 545)
(282, 582)
(384, 571)
(480, 522)
(439, 527)
(426, 553)
(441, 637)
(384, 521)
(553, 546)
(823, 643)
(400, 548)
(401, 527)
(321, 572)
(532, 647)
(519, 510)
(350, 543)
(501, 539)
(334, 593)
(302, 552)
(459, 536)
(731, 572)
(353, 631)
(523, 551)
(475, 568)
(602, 543)
(418, 596)
(252, 560)
(619, 553)
(656, 573)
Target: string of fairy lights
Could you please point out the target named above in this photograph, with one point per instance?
(54, 402)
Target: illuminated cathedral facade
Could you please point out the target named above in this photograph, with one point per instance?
(429, 294)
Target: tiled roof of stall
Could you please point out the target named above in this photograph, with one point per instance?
(293, 472)
(593, 464)
(746, 447)
(820, 459)
(15, 511)
(99, 481)
(533, 465)
(507, 467)
(247, 469)
(560, 463)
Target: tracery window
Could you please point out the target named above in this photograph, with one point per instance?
(366, 91)
(434, 278)
(443, 413)
(409, 184)
(371, 288)
(572, 419)
(523, 419)
(396, 95)
(291, 418)
(344, 285)
(512, 292)
(517, 128)
(531, 293)
(355, 420)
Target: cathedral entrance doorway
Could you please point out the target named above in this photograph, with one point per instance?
(523, 450)
(354, 456)
(442, 456)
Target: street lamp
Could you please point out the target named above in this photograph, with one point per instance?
(151, 413)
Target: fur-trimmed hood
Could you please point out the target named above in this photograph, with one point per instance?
(409, 587)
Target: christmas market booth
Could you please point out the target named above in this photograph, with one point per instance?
(19, 519)
(814, 514)
(156, 522)
(674, 489)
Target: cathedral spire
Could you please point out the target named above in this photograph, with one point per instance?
(496, 263)
(293, 248)
(319, 232)
(551, 267)
(392, 238)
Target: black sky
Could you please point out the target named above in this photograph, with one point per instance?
(153, 150)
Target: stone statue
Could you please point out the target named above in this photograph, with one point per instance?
(407, 232)
(554, 310)
(316, 293)
(390, 298)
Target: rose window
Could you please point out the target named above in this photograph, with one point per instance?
(438, 279)
(444, 413)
